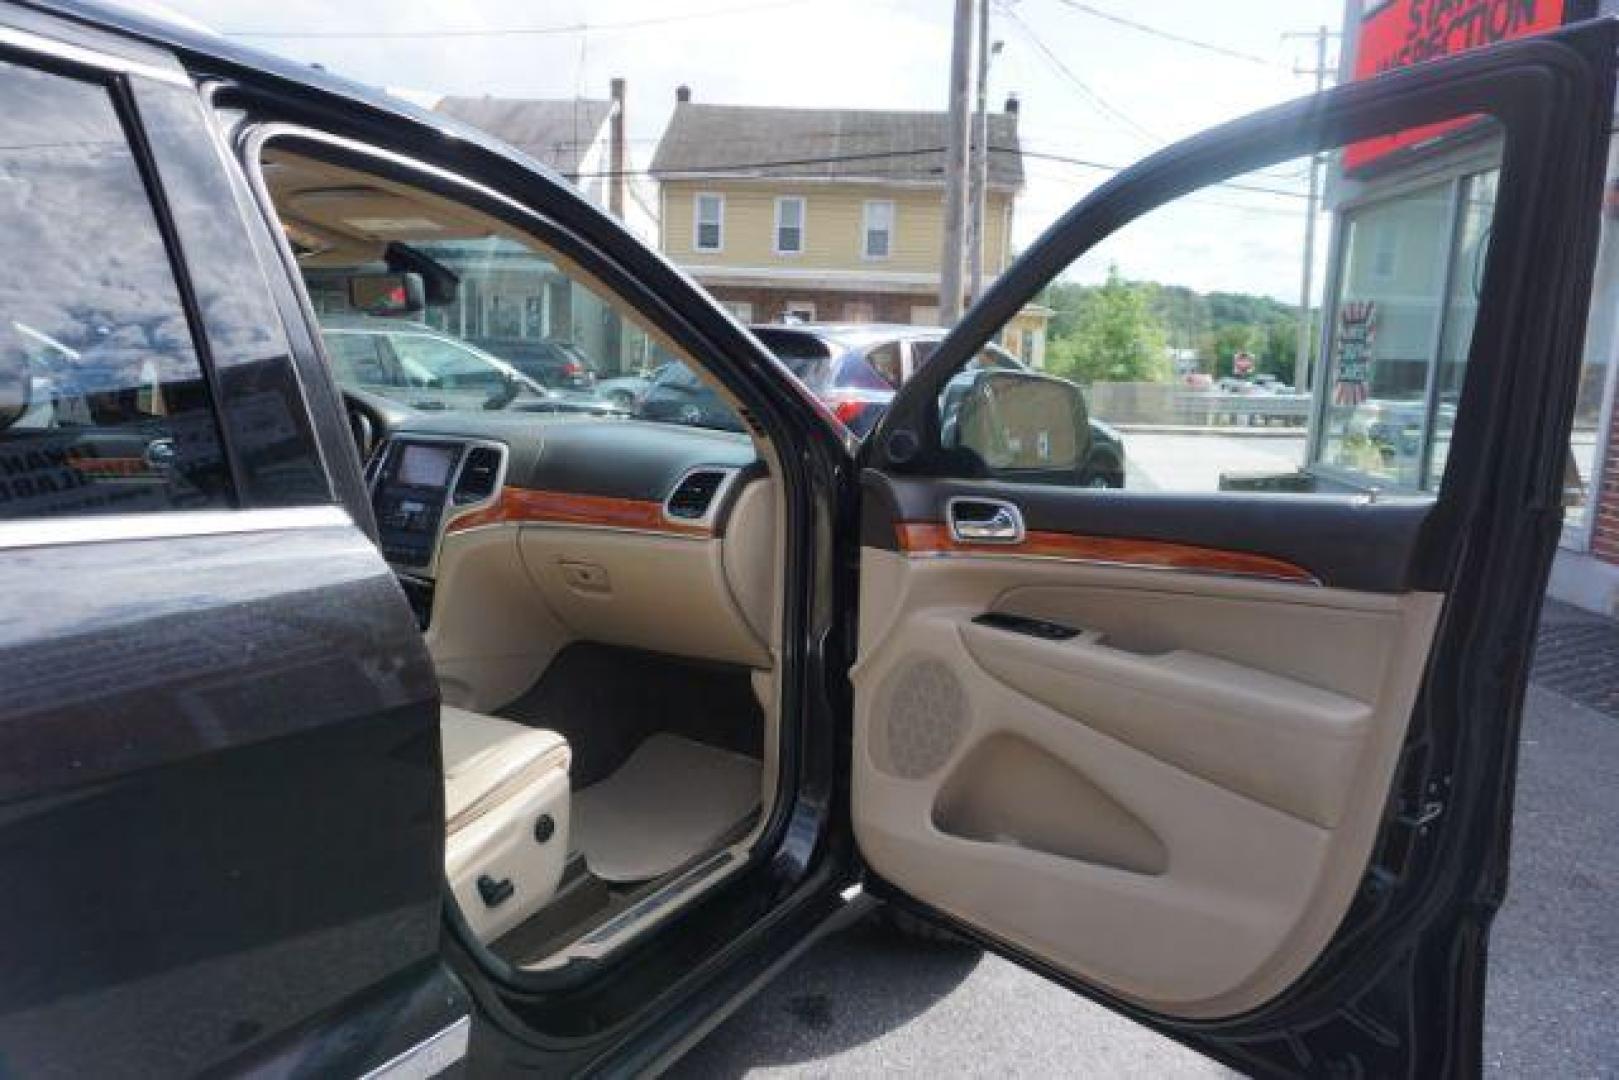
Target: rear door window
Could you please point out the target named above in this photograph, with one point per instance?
(107, 407)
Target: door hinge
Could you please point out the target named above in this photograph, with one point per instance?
(1424, 816)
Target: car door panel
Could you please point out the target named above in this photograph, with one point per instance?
(223, 808)
(1240, 764)
(1244, 768)
(219, 795)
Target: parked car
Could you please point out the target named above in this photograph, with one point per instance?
(536, 743)
(626, 391)
(857, 370)
(419, 367)
(554, 364)
(676, 395)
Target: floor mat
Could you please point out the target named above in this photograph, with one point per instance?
(672, 800)
(606, 701)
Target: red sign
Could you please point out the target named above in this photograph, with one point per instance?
(1399, 33)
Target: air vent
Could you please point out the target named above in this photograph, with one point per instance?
(695, 494)
(479, 475)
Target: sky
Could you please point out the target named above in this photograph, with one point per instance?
(1091, 87)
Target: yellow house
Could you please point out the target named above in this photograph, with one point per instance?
(825, 215)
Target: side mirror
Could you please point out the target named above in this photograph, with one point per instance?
(387, 294)
(16, 386)
(1020, 422)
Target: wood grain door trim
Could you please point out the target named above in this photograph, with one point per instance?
(933, 539)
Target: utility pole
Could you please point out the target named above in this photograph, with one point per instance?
(1302, 375)
(953, 257)
(980, 158)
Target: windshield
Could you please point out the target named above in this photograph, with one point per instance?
(437, 306)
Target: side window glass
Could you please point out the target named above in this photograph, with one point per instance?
(1211, 353)
(105, 407)
(887, 362)
(262, 403)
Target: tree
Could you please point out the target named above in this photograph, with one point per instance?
(1112, 335)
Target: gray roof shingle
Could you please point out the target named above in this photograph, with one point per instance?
(557, 133)
(882, 145)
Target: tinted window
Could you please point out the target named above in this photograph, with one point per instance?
(887, 362)
(856, 373)
(271, 434)
(119, 416)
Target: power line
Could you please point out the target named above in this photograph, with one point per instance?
(928, 151)
(1084, 88)
(515, 31)
(1168, 35)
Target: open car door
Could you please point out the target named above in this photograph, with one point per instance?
(1236, 755)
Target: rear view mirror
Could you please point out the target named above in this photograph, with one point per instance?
(1020, 421)
(387, 294)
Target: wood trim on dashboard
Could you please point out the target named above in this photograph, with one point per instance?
(530, 506)
(929, 538)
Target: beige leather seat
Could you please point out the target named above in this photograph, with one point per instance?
(506, 817)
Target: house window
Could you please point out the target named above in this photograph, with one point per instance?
(710, 223)
(798, 311)
(878, 229)
(742, 309)
(789, 225)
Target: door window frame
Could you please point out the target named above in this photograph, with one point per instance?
(697, 326)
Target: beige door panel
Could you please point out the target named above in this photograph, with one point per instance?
(1276, 740)
(1176, 806)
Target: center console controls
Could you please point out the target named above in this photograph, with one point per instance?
(417, 482)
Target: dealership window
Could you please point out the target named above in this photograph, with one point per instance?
(789, 225)
(742, 309)
(798, 311)
(1410, 270)
(878, 227)
(709, 221)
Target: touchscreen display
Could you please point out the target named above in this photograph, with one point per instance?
(426, 466)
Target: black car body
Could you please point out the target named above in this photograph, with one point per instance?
(232, 799)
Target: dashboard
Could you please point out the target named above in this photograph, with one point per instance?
(513, 535)
(464, 472)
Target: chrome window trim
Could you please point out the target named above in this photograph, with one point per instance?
(166, 525)
(430, 1057)
(23, 41)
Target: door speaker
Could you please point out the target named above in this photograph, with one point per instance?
(924, 715)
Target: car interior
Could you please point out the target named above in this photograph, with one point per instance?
(600, 595)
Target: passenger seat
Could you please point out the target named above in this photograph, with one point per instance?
(506, 817)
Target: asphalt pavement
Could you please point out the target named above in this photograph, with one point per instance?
(868, 1003)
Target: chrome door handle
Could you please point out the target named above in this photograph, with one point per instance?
(984, 521)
